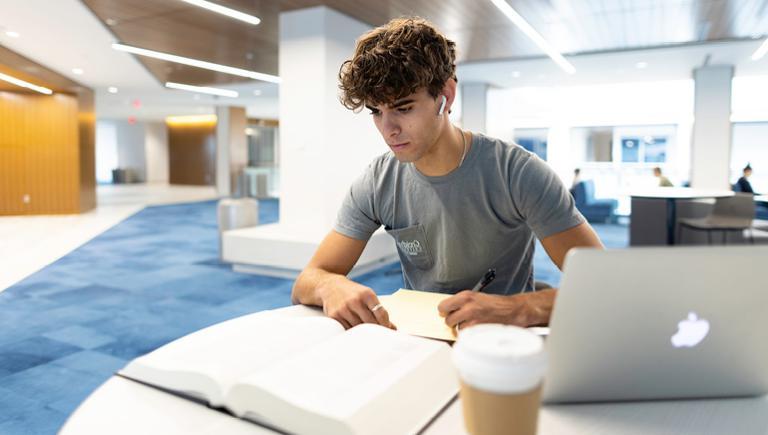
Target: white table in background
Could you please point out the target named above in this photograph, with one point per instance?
(121, 406)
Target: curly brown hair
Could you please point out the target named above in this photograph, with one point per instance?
(394, 61)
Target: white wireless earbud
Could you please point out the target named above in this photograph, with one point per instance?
(442, 106)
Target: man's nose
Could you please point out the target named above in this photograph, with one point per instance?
(390, 126)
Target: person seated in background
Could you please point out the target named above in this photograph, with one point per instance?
(663, 181)
(743, 184)
(457, 203)
(576, 178)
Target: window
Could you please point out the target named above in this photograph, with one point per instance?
(648, 149)
(630, 149)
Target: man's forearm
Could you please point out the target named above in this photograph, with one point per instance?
(307, 289)
(539, 306)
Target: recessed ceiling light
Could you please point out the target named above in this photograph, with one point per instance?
(197, 63)
(515, 74)
(534, 36)
(203, 89)
(760, 52)
(112, 90)
(24, 84)
(641, 65)
(78, 71)
(257, 92)
(219, 9)
(12, 34)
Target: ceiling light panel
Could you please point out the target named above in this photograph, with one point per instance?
(219, 9)
(203, 89)
(197, 63)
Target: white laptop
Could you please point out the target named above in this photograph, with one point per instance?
(660, 323)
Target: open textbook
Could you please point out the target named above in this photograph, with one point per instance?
(307, 375)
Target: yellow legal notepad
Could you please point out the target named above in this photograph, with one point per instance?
(415, 312)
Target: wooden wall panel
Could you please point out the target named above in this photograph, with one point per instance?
(192, 153)
(39, 154)
(47, 142)
(86, 126)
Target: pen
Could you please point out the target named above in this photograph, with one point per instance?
(485, 280)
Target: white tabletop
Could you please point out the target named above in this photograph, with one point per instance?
(121, 406)
(680, 193)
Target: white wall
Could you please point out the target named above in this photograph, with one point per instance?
(156, 150)
(129, 140)
(130, 148)
(106, 151)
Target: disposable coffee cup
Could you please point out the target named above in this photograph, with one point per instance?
(501, 369)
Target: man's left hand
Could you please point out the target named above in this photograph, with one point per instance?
(526, 309)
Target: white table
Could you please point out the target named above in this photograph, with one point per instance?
(122, 406)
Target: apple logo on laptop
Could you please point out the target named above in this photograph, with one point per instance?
(691, 331)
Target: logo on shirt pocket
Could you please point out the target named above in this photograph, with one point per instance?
(413, 246)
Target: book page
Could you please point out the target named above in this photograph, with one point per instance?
(346, 379)
(205, 364)
(415, 312)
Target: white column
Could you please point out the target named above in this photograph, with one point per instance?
(711, 145)
(231, 147)
(324, 147)
(473, 106)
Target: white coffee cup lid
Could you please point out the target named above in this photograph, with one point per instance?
(500, 358)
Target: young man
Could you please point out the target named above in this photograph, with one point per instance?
(663, 181)
(456, 203)
(743, 183)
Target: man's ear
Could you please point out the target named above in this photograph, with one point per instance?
(443, 100)
(449, 90)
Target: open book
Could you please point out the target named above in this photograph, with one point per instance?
(307, 375)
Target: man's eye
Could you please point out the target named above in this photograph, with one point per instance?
(404, 109)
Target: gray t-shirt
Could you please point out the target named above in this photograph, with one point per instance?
(451, 229)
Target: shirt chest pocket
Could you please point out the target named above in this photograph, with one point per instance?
(413, 245)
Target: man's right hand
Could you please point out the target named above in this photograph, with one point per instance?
(351, 303)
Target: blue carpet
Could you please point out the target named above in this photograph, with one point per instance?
(147, 281)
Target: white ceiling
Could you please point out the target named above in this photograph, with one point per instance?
(668, 63)
(86, 43)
